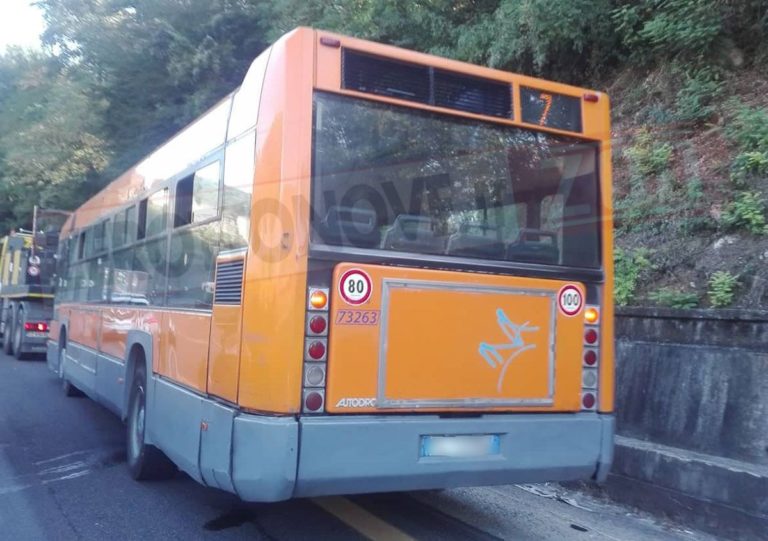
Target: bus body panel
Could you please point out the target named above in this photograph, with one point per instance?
(115, 324)
(224, 351)
(84, 325)
(607, 366)
(430, 340)
(183, 353)
(275, 270)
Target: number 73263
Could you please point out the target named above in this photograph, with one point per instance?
(357, 317)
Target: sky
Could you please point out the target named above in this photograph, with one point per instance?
(20, 24)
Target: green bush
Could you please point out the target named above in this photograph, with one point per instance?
(694, 102)
(748, 128)
(748, 165)
(746, 212)
(674, 298)
(667, 28)
(722, 288)
(647, 156)
(629, 267)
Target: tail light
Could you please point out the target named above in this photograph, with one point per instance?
(317, 325)
(315, 350)
(36, 326)
(590, 374)
(313, 401)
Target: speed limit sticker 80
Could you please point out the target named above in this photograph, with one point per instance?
(570, 300)
(355, 286)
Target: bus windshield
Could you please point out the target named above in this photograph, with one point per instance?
(398, 179)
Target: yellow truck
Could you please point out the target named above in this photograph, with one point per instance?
(27, 285)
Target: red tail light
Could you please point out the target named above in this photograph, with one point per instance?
(316, 350)
(588, 401)
(36, 326)
(318, 324)
(590, 357)
(590, 337)
(313, 401)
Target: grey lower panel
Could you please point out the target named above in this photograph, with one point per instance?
(110, 378)
(174, 417)
(264, 457)
(52, 356)
(268, 458)
(216, 446)
(378, 454)
(80, 368)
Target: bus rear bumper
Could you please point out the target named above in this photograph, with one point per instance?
(359, 454)
(380, 454)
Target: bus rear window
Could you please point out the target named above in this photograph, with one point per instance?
(398, 179)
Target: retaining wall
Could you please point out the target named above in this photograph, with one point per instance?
(692, 417)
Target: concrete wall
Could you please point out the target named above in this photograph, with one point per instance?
(692, 417)
(695, 379)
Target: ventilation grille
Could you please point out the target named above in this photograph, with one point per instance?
(229, 282)
(413, 82)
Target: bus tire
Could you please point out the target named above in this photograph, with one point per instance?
(8, 332)
(145, 462)
(18, 335)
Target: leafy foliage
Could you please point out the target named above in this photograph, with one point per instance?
(722, 288)
(674, 298)
(695, 101)
(629, 268)
(746, 212)
(647, 155)
(669, 28)
(749, 128)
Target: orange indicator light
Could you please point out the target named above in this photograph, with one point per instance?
(318, 299)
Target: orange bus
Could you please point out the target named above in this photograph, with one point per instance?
(367, 269)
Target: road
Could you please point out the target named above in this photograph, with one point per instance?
(63, 477)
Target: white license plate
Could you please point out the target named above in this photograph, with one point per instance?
(36, 334)
(460, 446)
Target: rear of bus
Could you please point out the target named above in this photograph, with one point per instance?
(458, 316)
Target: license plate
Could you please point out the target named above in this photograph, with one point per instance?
(460, 446)
(36, 334)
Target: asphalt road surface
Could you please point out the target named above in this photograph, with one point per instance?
(63, 477)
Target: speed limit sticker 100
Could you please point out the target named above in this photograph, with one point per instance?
(355, 286)
(570, 300)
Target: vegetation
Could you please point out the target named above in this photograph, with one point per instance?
(674, 298)
(629, 267)
(722, 289)
(116, 78)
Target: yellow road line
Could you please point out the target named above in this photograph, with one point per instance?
(361, 520)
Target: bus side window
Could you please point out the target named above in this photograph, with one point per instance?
(190, 267)
(193, 249)
(238, 186)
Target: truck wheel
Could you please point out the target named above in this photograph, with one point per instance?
(8, 334)
(18, 335)
(145, 462)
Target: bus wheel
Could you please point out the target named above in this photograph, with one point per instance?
(18, 335)
(145, 462)
(8, 333)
